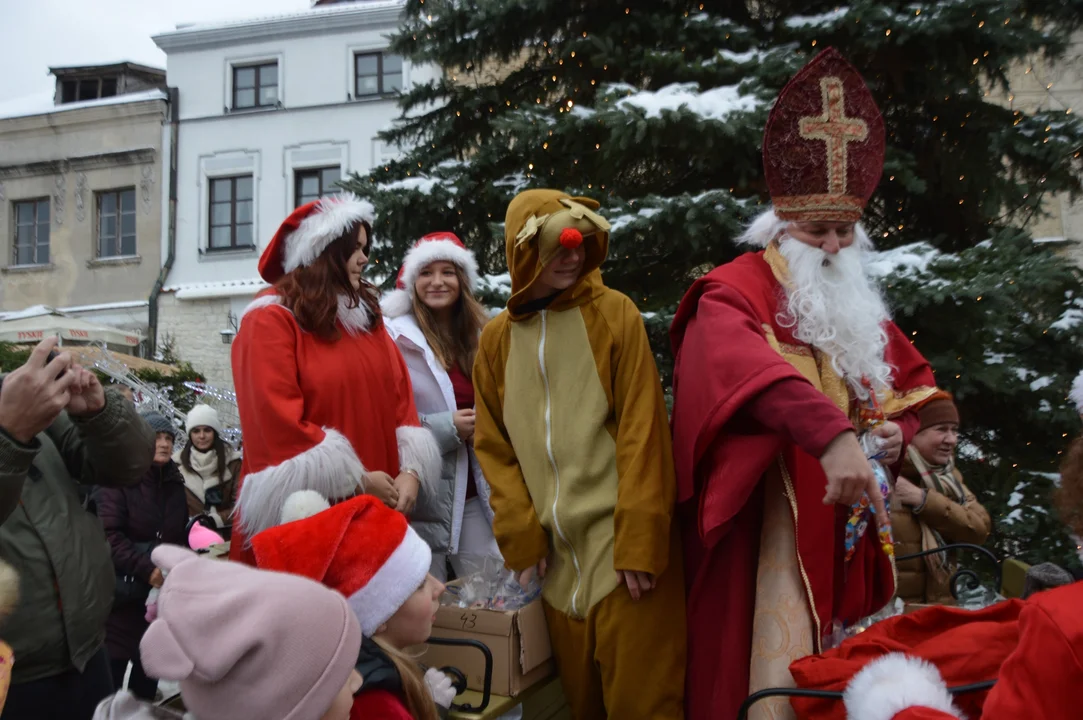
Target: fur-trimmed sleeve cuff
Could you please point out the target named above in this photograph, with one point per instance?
(331, 468)
(418, 452)
(898, 687)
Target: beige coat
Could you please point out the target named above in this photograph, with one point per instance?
(965, 523)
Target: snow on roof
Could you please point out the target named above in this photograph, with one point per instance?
(328, 10)
(127, 305)
(716, 104)
(32, 311)
(224, 288)
(43, 104)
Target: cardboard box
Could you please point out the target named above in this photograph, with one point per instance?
(518, 640)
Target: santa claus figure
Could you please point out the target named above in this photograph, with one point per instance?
(323, 394)
(789, 375)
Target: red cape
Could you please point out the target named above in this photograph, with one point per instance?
(1039, 679)
(722, 362)
(967, 646)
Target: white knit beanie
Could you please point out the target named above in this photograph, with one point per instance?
(203, 416)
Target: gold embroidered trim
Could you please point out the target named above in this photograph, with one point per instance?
(836, 130)
(802, 350)
(791, 496)
(899, 402)
(825, 207)
(779, 267)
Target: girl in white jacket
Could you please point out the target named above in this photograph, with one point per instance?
(435, 320)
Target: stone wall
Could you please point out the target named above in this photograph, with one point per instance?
(195, 327)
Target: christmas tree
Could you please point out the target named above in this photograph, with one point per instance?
(656, 108)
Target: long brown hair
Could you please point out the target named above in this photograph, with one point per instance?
(312, 293)
(457, 344)
(419, 702)
(1069, 496)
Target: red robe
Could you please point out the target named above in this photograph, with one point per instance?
(317, 415)
(740, 406)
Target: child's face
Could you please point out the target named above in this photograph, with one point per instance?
(412, 624)
(340, 708)
(562, 272)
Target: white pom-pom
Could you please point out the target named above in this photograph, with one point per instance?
(303, 504)
(1076, 395)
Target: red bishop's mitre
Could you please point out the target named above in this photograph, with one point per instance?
(823, 147)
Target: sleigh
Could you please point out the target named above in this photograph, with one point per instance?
(962, 580)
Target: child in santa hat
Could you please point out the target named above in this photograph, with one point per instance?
(370, 554)
(436, 321)
(293, 657)
(324, 395)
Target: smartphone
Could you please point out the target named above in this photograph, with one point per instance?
(53, 354)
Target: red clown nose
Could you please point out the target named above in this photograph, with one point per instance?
(571, 238)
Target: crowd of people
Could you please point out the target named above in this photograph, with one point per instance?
(388, 441)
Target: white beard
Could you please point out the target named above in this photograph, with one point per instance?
(834, 307)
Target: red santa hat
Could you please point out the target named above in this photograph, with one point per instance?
(899, 687)
(1039, 678)
(306, 233)
(823, 147)
(360, 547)
(434, 247)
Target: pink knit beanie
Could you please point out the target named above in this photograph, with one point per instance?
(248, 643)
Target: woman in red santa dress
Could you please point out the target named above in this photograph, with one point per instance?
(324, 395)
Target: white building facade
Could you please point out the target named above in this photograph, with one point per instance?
(270, 114)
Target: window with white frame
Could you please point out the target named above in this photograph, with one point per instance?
(116, 223)
(230, 214)
(255, 85)
(31, 246)
(376, 73)
(314, 183)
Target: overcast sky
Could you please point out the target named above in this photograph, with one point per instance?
(37, 34)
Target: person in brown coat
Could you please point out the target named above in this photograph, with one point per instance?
(209, 466)
(931, 506)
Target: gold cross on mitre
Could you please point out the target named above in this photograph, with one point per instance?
(834, 128)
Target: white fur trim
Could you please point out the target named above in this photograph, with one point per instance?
(889, 685)
(303, 504)
(1076, 394)
(390, 586)
(397, 303)
(202, 416)
(261, 302)
(418, 451)
(332, 217)
(331, 468)
(430, 251)
(356, 320)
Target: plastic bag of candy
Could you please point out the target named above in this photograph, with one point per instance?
(489, 586)
(839, 632)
